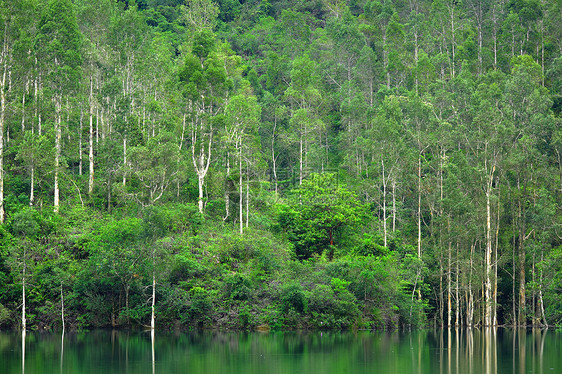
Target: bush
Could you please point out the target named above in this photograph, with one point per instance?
(293, 298)
(238, 287)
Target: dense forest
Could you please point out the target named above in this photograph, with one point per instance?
(280, 164)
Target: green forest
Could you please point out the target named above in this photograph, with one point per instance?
(275, 164)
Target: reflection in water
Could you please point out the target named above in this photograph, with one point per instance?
(462, 351)
(152, 349)
(23, 351)
(61, 350)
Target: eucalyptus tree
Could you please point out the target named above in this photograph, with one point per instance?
(388, 151)
(242, 116)
(95, 20)
(490, 138)
(129, 40)
(207, 80)
(26, 228)
(382, 15)
(527, 104)
(16, 33)
(58, 46)
(303, 96)
(155, 166)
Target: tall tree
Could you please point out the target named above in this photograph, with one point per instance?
(242, 116)
(206, 77)
(59, 51)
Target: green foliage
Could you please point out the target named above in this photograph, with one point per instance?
(319, 209)
(293, 298)
(293, 163)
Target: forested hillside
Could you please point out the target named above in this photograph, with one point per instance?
(280, 164)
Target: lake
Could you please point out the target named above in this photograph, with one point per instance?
(425, 351)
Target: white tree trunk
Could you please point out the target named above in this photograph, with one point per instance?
(201, 161)
(91, 143)
(80, 142)
(32, 186)
(3, 60)
(449, 286)
(488, 264)
(124, 160)
(57, 151)
(23, 319)
(152, 321)
(383, 201)
(241, 196)
(62, 307)
(247, 199)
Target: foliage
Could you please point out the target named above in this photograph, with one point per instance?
(308, 164)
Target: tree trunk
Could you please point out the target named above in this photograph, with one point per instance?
(152, 321)
(227, 189)
(247, 197)
(522, 319)
(32, 186)
(470, 302)
(488, 257)
(201, 161)
(58, 113)
(124, 160)
(393, 205)
(109, 182)
(62, 307)
(383, 202)
(23, 319)
(91, 142)
(273, 159)
(495, 264)
(80, 141)
(240, 194)
(300, 156)
(419, 221)
(541, 301)
(457, 293)
(23, 106)
(449, 276)
(3, 59)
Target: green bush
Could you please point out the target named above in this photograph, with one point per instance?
(293, 298)
(238, 287)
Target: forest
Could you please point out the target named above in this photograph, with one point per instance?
(275, 164)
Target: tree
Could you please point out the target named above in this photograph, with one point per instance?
(318, 211)
(304, 97)
(242, 116)
(156, 166)
(206, 77)
(119, 253)
(59, 51)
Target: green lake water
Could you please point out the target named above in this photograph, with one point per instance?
(426, 351)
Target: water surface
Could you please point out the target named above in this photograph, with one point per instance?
(427, 351)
